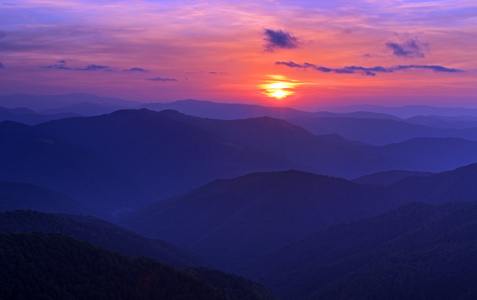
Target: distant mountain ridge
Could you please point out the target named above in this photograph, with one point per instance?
(258, 212)
(45, 102)
(164, 156)
(29, 156)
(388, 177)
(131, 158)
(369, 124)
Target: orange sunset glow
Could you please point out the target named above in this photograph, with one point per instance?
(224, 51)
(279, 87)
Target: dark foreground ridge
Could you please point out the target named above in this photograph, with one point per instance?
(52, 266)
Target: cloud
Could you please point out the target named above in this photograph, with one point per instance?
(136, 69)
(61, 65)
(94, 68)
(409, 49)
(366, 71)
(1, 65)
(279, 39)
(218, 73)
(162, 79)
(435, 68)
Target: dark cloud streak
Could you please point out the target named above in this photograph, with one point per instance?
(61, 65)
(94, 68)
(366, 71)
(409, 49)
(279, 39)
(161, 79)
(136, 69)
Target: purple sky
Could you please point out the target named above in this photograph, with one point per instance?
(299, 53)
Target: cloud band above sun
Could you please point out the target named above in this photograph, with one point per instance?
(367, 71)
(223, 50)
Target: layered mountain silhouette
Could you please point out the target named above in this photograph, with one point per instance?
(124, 160)
(229, 221)
(28, 116)
(166, 157)
(42, 103)
(17, 195)
(26, 155)
(373, 125)
(388, 177)
(413, 252)
(332, 154)
(380, 131)
(99, 233)
(236, 185)
(39, 265)
(445, 122)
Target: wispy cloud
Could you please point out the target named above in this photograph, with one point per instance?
(162, 79)
(279, 39)
(95, 68)
(409, 49)
(136, 69)
(1, 65)
(61, 65)
(366, 71)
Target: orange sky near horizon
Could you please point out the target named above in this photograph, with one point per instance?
(321, 54)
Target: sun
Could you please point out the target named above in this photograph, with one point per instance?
(278, 87)
(279, 94)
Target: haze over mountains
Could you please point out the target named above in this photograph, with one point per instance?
(313, 205)
(370, 124)
(229, 221)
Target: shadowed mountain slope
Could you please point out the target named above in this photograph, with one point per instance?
(16, 195)
(387, 177)
(333, 155)
(228, 221)
(328, 154)
(418, 251)
(27, 155)
(171, 153)
(167, 157)
(98, 232)
(40, 265)
(455, 185)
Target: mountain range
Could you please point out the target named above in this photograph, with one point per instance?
(369, 124)
(99, 233)
(369, 203)
(413, 252)
(28, 156)
(230, 221)
(40, 265)
(122, 161)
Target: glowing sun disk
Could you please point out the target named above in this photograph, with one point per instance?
(278, 87)
(279, 94)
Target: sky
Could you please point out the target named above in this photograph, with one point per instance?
(293, 53)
